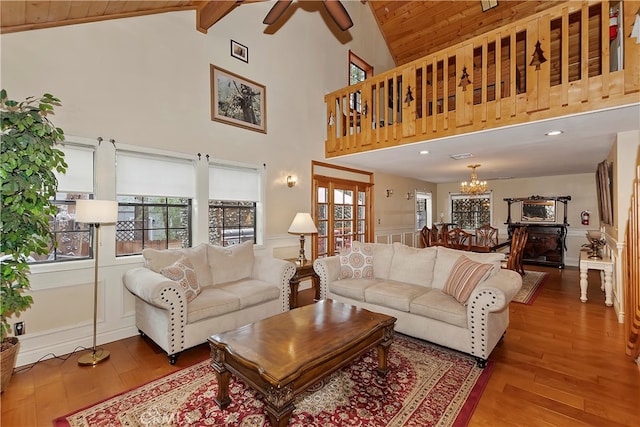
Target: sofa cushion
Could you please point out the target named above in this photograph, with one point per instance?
(351, 288)
(356, 261)
(212, 302)
(393, 294)
(412, 265)
(156, 260)
(230, 263)
(447, 257)
(439, 306)
(251, 292)
(465, 275)
(183, 273)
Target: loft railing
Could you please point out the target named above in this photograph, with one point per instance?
(557, 62)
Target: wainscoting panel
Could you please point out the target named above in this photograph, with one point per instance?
(403, 235)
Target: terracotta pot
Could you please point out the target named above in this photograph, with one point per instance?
(8, 361)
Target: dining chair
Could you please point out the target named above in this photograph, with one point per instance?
(425, 236)
(516, 252)
(437, 238)
(457, 238)
(486, 235)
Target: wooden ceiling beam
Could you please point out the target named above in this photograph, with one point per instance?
(210, 12)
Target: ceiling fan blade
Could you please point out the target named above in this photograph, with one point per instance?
(338, 13)
(276, 11)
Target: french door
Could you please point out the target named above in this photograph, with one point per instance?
(343, 213)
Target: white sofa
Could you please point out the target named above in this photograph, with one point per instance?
(460, 303)
(184, 296)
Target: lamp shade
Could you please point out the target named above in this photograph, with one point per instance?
(96, 211)
(302, 224)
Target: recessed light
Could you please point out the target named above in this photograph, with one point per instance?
(424, 152)
(554, 133)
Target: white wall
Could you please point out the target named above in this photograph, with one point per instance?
(145, 81)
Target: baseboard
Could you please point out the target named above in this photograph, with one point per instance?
(45, 346)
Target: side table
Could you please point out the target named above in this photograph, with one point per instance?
(303, 272)
(605, 265)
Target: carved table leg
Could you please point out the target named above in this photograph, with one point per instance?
(383, 350)
(223, 376)
(279, 402)
(583, 283)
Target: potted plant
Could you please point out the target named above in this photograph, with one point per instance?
(28, 160)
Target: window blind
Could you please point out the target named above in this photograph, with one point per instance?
(234, 183)
(79, 175)
(139, 174)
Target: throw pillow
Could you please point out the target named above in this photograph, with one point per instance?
(465, 276)
(357, 262)
(156, 259)
(183, 273)
(230, 263)
(412, 265)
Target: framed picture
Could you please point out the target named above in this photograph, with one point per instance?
(539, 211)
(604, 187)
(238, 101)
(239, 51)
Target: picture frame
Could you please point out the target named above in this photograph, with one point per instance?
(604, 188)
(238, 101)
(239, 51)
(539, 211)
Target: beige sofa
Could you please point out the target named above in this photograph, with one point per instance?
(184, 296)
(453, 298)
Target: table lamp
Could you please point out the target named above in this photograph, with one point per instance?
(302, 224)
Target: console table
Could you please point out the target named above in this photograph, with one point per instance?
(605, 265)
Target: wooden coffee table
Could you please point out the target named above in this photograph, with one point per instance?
(283, 355)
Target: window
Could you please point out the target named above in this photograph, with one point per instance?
(155, 193)
(235, 204)
(73, 239)
(470, 212)
(231, 222)
(152, 222)
(359, 71)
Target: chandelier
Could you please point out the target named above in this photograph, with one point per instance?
(474, 186)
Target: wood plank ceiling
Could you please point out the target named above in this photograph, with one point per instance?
(412, 29)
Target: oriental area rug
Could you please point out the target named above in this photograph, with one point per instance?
(426, 385)
(531, 285)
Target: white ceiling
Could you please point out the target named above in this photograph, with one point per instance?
(520, 151)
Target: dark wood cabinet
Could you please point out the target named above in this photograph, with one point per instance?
(546, 242)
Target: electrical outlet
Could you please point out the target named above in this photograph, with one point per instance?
(18, 328)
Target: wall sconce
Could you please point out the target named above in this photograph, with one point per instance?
(389, 193)
(409, 196)
(488, 4)
(292, 180)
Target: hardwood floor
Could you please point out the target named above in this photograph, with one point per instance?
(562, 363)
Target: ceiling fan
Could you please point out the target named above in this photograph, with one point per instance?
(335, 9)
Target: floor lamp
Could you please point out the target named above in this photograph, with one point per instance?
(95, 212)
(302, 224)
